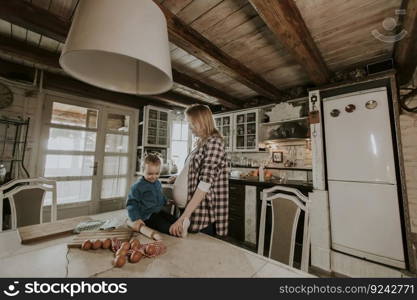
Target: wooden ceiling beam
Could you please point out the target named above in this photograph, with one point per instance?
(27, 15)
(284, 19)
(405, 50)
(26, 52)
(194, 43)
(62, 83)
(48, 60)
(179, 99)
(43, 22)
(72, 86)
(188, 81)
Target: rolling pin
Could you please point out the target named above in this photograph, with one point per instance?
(146, 231)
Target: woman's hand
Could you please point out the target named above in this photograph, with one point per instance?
(176, 228)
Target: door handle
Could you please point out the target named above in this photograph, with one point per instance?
(95, 168)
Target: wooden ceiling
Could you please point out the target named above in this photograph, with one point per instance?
(230, 51)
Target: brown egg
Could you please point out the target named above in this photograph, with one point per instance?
(125, 245)
(86, 245)
(135, 257)
(97, 244)
(119, 261)
(134, 244)
(114, 243)
(121, 252)
(106, 244)
(150, 250)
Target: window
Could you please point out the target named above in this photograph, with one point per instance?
(179, 143)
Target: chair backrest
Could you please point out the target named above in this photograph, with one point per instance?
(26, 202)
(286, 207)
(26, 197)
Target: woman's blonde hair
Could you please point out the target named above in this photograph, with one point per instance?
(201, 117)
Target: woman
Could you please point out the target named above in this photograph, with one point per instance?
(203, 184)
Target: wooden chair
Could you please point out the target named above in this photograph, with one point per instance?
(286, 208)
(26, 197)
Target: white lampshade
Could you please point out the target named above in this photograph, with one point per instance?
(119, 45)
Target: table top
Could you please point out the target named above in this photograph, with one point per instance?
(198, 255)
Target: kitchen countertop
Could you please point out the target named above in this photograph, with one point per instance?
(303, 186)
(198, 255)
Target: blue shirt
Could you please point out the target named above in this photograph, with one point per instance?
(144, 199)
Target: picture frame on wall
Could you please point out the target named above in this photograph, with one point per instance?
(277, 156)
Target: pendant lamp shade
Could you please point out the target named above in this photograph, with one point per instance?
(120, 46)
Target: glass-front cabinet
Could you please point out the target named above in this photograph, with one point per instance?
(246, 126)
(240, 130)
(156, 128)
(224, 124)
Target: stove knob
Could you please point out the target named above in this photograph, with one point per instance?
(371, 104)
(335, 113)
(350, 108)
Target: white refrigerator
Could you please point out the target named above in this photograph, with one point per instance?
(361, 176)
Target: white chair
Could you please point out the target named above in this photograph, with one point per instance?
(286, 208)
(26, 197)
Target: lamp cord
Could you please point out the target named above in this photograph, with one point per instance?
(409, 96)
(405, 98)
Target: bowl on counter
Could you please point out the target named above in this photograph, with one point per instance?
(235, 174)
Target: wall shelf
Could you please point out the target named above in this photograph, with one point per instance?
(270, 141)
(284, 121)
(15, 133)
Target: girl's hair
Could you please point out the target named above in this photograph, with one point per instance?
(201, 117)
(152, 159)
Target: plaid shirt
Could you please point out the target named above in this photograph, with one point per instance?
(208, 164)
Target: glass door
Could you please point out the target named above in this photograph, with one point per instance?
(246, 138)
(224, 125)
(152, 127)
(89, 152)
(116, 168)
(71, 132)
(157, 127)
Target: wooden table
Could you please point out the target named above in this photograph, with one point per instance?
(198, 255)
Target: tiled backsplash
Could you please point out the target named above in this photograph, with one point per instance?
(301, 155)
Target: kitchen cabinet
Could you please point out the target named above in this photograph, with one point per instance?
(153, 133)
(224, 124)
(245, 212)
(246, 131)
(240, 130)
(156, 126)
(237, 212)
